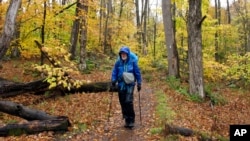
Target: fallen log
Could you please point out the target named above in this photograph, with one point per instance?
(38, 121)
(94, 87)
(171, 129)
(23, 111)
(10, 88)
(57, 124)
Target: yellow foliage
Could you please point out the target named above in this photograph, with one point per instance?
(56, 76)
(213, 71)
(239, 68)
(146, 64)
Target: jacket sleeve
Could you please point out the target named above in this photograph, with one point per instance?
(114, 75)
(137, 73)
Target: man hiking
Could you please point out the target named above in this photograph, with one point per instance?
(126, 73)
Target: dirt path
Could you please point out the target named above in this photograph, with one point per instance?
(114, 130)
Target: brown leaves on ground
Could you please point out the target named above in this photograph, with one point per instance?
(89, 113)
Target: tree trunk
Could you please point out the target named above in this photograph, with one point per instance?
(144, 29)
(172, 53)
(216, 44)
(228, 13)
(138, 24)
(23, 112)
(120, 18)
(9, 88)
(74, 33)
(46, 122)
(108, 29)
(43, 29)
(9, 27)
(196, 82)
(171, 129)
(101, 21)
(57, 124)
(83, 34)
(15, 46)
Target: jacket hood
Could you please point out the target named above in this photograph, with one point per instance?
(124, 49)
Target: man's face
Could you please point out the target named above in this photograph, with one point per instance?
(124, 56)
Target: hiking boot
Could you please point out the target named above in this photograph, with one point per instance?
(126, 125)
(131, 125)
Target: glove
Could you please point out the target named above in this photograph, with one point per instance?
(113, 84)
(138, 88)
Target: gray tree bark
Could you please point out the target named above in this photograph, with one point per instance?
(172, 53)
(39, 121)
(196, 82)
(83, 33)
(108, 29)
(144, 28)
(9, 27)
(138, 24)
(101, 11)
(74, 33)
(23, 111)
(216, 41)
(228, 13)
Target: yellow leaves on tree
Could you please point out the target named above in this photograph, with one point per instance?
(59, 76)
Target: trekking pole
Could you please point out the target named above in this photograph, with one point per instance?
(140, 105)
(110, 105)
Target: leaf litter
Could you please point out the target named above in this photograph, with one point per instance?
(88, 113)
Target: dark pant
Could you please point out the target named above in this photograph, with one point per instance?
(126, 102)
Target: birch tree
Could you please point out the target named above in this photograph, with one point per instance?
(9, 27)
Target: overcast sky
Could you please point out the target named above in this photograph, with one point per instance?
(223, 2)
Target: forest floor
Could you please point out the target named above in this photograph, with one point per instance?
(89, 113)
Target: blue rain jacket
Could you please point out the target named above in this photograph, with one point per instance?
(129, 65)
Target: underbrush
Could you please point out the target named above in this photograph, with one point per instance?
(214, 97)
(165, 115)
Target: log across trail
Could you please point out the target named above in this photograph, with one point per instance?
(10, 88)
